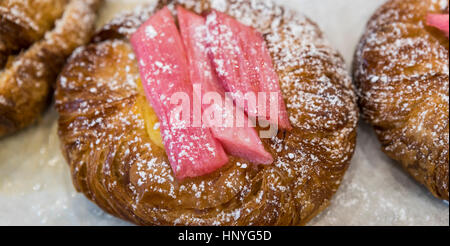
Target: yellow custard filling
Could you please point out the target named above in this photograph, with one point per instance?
(150, 117)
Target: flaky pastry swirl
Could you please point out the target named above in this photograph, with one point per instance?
(401, 69)
(115, 163)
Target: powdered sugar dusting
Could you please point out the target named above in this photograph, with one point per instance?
(319, 98)
(28, 78)
(402, 71)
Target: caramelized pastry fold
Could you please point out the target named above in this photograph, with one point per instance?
(401, 69)
(26, 79)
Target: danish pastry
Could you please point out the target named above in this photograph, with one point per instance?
(110, 137)
(401, 69)
(53, 28)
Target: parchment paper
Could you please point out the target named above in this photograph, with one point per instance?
(36, 189)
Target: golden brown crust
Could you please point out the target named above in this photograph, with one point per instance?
(21, 24)
(27, 79)
(401, 69)
(116, 165)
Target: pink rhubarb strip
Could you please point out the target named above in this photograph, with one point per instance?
(164, 70)
(241, 141)
(440, 21)
(243, 64)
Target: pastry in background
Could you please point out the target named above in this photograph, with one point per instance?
(25, 22)
(401, 69)
(36, 37)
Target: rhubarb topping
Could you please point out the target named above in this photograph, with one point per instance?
(241, 141)
(440, 21)
(164, 70)
(244, 65)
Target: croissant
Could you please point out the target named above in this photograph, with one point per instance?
(401, 69)
(106, 128)
(53, 28)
